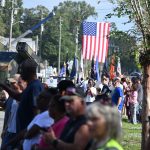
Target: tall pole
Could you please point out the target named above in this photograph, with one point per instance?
(77, 32)
(11, 24)
(59, 44)
(41, 34)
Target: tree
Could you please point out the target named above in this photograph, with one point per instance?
(139, 12)
(72, 14)
(6, 14)
(2, 27)
(125, 46)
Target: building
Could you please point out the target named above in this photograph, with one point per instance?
(8, 64)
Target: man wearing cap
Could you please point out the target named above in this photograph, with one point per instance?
(75, 135)
(117, 97)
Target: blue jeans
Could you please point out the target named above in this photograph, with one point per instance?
(6, 138)
(133, 110)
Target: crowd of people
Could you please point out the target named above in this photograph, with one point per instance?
(83, 116)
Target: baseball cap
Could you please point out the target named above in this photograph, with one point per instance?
(72, 91)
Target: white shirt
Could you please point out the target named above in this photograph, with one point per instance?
(12, 118)
(121, 86)
(43, 120)
(90, 98)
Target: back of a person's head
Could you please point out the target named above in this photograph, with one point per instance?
(123, 79)
(137, 79)
(45, 98)
(103, 99)
(59, 104)
(64, 84)
(29, 65)
(52, 91)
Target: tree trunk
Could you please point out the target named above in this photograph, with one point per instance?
(146, 107)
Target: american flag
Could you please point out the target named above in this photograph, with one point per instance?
(95, 40)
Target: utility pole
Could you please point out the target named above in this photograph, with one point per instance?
(60, 21)
(11, 23)
(41, 34)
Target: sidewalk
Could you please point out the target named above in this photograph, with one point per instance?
(1, 123)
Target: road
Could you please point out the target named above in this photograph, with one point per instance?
(1, 122)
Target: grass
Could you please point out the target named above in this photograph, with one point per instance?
(131, 136)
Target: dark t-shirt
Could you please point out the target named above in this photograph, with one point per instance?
(106, 90)
(71, 129)
(28, 101)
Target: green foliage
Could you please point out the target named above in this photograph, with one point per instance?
(138, 12)
(5, 18)
(72, 14)
(2, 27)
(126, 48)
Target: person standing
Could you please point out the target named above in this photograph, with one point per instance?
(133, 103)
(75, 135)
(104, 125)
(91, 92)
(105, 89)
(117, 97)
(139, 98)
(27, 107)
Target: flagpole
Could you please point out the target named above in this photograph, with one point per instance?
(59, 44)
(86, 68)
(77, 32)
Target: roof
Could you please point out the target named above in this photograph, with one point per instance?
(29, 41)
(6, 57)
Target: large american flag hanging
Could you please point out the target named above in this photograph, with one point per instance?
(95, 40)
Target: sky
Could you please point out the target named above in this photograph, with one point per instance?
(102, 9)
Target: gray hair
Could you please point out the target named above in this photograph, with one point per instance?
(111, 115)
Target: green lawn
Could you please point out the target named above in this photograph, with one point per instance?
(131, 136)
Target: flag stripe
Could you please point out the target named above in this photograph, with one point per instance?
(92, 47)
(108, 32)
(101, 42)
(83, 46)
(104, 43)
(88, 47)
(95, 40)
